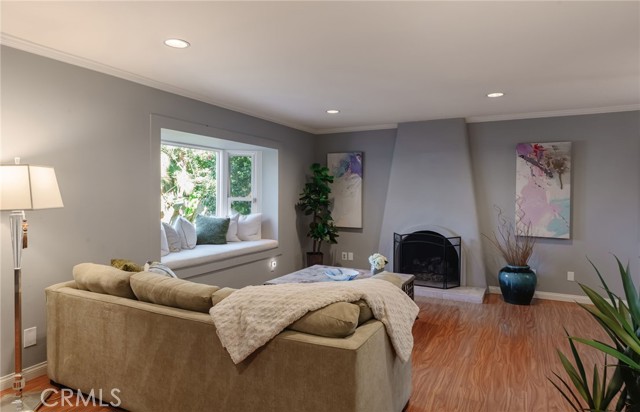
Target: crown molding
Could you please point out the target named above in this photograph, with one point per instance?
(30, 47)
(553, 113)
(357, 128)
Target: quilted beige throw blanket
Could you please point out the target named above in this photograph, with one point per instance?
(253, 315)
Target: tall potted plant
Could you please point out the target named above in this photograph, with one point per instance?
(314, 202)
(515, 244)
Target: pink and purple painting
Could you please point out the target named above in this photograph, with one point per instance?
(346, 189)
(543, 189)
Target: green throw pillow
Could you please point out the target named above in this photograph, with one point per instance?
(211, 230)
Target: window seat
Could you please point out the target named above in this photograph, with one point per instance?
(203, 254)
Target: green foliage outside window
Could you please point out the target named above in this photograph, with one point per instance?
(189, 184)
(240, 176)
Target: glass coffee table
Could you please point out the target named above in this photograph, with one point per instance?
(316, 274)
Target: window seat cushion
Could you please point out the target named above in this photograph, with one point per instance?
(202, 254)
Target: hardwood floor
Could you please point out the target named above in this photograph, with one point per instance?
(493, 357)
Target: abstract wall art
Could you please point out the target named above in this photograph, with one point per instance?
(346, 190)
(543, 189)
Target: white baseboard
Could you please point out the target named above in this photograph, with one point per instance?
(29, 373)
(563, 297)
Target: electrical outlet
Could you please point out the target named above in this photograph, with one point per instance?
(350, 256)
(29, 337)
(273, 264)
(570, 276)
(344, 256)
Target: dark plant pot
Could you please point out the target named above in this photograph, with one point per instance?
(314, 258)
(518, 284)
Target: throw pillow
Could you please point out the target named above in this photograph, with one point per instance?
(172, 238)
(250, 227)
(164, 243)
(160, 268)
(337, 320)
(103, 279)
(177, 293)
(232, 233)
(126, 265)
(187, 232)
(365, 311)
(212, 230)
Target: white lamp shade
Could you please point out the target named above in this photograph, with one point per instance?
(25, 187)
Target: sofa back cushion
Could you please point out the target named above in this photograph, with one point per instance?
(177, 293)
(221, 294)
(365, 312)
(103, 279)
(337, 320)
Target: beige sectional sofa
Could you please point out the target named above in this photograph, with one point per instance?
(161, 358)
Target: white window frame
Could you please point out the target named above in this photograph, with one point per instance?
(256, 180)
(223, 188)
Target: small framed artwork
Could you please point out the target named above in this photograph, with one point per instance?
(543, 189)
(346, 189)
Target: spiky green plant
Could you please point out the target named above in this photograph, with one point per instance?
(621, 321)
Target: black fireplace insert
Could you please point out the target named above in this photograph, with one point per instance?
(431, 257)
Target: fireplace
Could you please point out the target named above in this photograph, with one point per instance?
(431, 257)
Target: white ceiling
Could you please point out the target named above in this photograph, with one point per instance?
(380, 63)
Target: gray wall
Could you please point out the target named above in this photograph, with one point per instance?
(377, 147)
(605, 185)
(605, 193)
(94, 130)
(431, 188)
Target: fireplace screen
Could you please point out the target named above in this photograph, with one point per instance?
(432, 258)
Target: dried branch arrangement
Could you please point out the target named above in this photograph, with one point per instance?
(514, 242)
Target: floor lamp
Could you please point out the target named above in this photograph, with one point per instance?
(23, 187)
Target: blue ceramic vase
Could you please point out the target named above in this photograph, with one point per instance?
(517, 284)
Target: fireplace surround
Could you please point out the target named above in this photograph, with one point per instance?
(431, 257)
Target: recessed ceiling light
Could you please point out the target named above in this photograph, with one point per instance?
(495, 94)
(333, 111)
(177, 43)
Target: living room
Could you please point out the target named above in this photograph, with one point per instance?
(99, 126)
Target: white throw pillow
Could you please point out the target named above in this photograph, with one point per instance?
(164, 244)
(187, 232)
(172, 238)
(159, 268)
(232, 233)
(250, 227)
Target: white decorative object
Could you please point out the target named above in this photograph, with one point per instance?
(377, 262)
(232, 233)
(340, 274)
(187, 233)
(250, 227)
(164, 243)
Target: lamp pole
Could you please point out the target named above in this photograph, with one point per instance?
(16, 219)
(24, 187)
